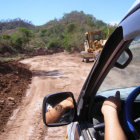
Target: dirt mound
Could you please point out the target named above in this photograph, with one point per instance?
(14, 80)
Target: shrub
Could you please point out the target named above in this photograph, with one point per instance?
(73, 42)
(53, 44)
(37, 42)
(71, 27)
(6, 46)
(17, 42)
(25, 34)
(5, 36)
(43, 32)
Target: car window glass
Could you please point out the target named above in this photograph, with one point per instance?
(128, 77)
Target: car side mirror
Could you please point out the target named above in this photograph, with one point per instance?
(59, 109)
(124, 59)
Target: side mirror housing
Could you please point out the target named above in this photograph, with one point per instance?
(59, 109)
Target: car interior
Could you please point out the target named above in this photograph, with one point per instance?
(98, 120)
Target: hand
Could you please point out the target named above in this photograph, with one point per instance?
(112, 104)
(67, 103)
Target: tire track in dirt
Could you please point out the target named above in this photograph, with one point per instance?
(51, 73)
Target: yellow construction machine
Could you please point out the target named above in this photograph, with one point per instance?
(93, 45)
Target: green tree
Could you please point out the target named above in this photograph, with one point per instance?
(90, 20)
(99, 24)
(71, 27)
(25, 34)
(43, 32)
(5, 36)
(107, 31)
(53, 44)
(17, 42)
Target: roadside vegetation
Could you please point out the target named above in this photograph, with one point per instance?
(68, 33)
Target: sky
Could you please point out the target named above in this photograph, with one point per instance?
(40, 12)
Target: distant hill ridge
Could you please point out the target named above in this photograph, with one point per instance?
(80, 18)
(14, 23)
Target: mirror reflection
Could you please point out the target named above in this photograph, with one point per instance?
(59, 108)
(123, 58)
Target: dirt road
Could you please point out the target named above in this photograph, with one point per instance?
(51, 73)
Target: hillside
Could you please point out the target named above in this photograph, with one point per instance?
(13, 24)
(66, 33)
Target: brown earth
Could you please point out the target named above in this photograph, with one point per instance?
(50, 73)
(14, 80)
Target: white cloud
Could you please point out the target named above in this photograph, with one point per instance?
(113, 23)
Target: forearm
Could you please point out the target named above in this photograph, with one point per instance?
(113, 127)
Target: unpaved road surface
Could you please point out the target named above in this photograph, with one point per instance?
(51, 73)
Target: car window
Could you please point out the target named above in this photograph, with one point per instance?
(127, 77)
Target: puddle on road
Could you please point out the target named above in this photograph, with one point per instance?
(52, 74)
